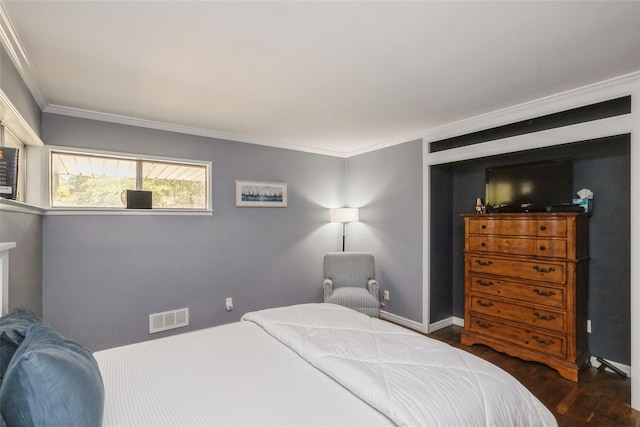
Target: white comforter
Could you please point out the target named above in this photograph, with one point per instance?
(411, 379)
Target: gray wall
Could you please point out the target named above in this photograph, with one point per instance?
(387, 187)
(25, 261)
(103, 275)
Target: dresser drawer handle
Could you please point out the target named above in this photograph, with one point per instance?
(483, 263)
(544, 270)
(484, 304)
(543, 342)
(481, 283)
(484, 325)
(541, 317)
(542, 227)
(543, 293)
(542, 247)
(483, 244)
(484, 227)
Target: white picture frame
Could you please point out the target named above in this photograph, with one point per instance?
(261, 194)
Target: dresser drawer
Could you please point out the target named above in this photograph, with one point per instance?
(548, 319)
(502, 227)
(552, 248)
(534, 339)
(551, 228)
(538, 270)
(547, 295)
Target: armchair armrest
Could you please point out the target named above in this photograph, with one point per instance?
(328, 288)
(374, 288)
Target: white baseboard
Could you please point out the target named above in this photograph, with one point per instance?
(457, 321)
(411, 324)
(417, 326)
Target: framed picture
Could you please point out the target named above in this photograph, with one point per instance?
(261, 194)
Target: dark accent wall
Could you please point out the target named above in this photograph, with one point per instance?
(103, 275)
(442, 297)
(601, 165)
(387, 187)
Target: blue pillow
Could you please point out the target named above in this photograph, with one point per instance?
(51, 381)
(12, 329)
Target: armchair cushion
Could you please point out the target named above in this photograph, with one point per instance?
(358, 299)
(349, 268)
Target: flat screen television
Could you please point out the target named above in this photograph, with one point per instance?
(538, 184)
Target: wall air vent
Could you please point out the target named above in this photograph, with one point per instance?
(164, 321)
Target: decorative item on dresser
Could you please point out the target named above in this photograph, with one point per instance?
(526, 278)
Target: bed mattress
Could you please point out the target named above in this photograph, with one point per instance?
(230, 375)
(306, 365)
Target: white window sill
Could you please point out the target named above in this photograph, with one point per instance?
(8, 205)
(128, 212)
(15, 206)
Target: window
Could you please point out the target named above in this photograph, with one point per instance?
(97, 180)
(175, 185)
(8, 139)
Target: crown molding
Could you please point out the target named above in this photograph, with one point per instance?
(12, 45)
(608, 89)
(578, 97)
(600, 91)
(386, 144)
(170, 127)
(11, 117)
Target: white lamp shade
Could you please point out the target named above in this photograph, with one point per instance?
(344, 215)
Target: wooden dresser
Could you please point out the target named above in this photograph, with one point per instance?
(526, 286)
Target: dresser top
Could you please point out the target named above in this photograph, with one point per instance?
(531, 215)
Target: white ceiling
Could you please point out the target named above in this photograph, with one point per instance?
(330, 77)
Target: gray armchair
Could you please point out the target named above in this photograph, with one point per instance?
(350, 281)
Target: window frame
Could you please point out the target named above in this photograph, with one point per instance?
(69, 210)
(5, 137)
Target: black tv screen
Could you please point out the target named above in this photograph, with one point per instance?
(545, 183)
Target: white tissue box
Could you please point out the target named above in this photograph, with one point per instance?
(587, 204)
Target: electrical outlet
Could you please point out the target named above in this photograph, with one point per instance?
(386, 295)
(588, 326)
(229, 304)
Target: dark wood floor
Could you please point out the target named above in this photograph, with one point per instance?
(599, 398)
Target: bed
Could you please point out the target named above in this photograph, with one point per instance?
(310, 364)
(303, 365)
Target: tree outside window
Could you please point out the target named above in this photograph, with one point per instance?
(96, 181)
